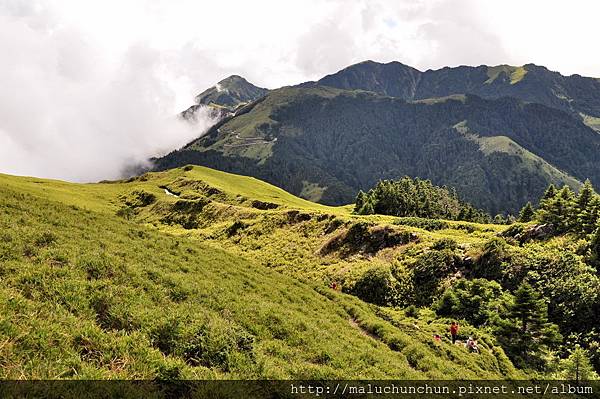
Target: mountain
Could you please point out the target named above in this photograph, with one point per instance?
(531, 83)
(499, 135)
(227, 95)
(194, 273)
(189, 274)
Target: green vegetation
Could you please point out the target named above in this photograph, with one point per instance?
(326, 143)
(91, 292)
(195, 273)
(417, 198)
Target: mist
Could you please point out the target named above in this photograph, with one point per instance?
(68, 112)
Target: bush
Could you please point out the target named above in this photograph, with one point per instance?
(445, 243)
(215, 344)
(489, 265)
(476, 301)
(378, 286)
(412, 311)
(429, 270)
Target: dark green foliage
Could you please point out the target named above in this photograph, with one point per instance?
(445, 243)
(429, 271)
(558, 210)
(360, 237)
(527, 213)
(416, 198)
(412, 311)
(568, 212)
(345, 140)
(549, 193)
(589, 217)
(490, 263)
(525, 334)
(595, 249)
(378, 286)
(478, 301)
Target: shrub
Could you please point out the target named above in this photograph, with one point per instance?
(378, 286)
(412, 311)
(429, 270)
(167, 336)
(214, 344)
(476, 301)
(445, 243)
(490, 263)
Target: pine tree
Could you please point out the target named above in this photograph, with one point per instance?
(526, 334)
(582, 209)
(585, 195)
(549, 193)
(577, 366)
(558, 210)
(367, 208)
(595, 248)
(361, 198)
(588, 218)
(527, 213)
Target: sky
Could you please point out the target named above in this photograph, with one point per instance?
(89, 88)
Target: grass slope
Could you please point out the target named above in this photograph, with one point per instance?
(87, 294)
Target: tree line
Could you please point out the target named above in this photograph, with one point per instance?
(416, 197)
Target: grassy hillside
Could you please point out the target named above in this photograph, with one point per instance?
(326, 144)
(170, 275)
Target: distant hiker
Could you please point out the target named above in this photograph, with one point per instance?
(454, 331)
(437, 338)
(471, 345)
(334, 286)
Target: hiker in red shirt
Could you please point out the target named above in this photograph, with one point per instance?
(454, 331)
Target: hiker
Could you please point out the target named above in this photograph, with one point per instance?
(437, 338)
(471, 345)
(334, 286)
(454, 331)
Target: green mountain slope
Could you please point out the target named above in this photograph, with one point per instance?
(326, 144)
(113, 280)
(531, 83)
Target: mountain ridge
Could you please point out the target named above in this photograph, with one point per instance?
(322, 142)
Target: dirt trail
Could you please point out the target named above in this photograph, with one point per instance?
(354, 323)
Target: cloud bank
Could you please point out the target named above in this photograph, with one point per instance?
(88, 88)
(65, 112)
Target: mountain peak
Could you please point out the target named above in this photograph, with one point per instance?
(231, 92)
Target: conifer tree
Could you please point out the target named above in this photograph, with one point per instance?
(558, 210)
(586, 193)
(527, 213)
(549, 193)
(367, 208)
(526, 334)
(595, 248)
(588, 218)
(577, 367)
(361, 198)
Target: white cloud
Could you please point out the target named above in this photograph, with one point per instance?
(90, 86)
